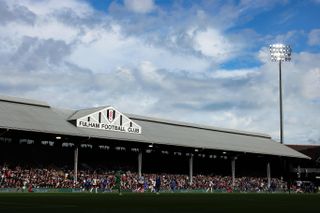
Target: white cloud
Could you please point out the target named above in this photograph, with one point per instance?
(213, 44)
(111, 49)
(49, 19)
(81, 55)
(314, 37)
(311, 84)
(50, 7)
(44, 30)
(264, 55)
(125, 74)
(140, 6)
(235, 74)
(232, 120)
(149, 72)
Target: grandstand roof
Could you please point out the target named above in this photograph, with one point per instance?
(311, 150)
(36, 116)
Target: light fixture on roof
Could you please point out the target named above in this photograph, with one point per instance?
(165, 152)
(134, 149)
(67, 144)
(26, 141)
(86, 146)
(177, 153)
(224, 153)
(58, 137)
(49, 143)
(104, 147)
(279, 53)
(5, 140)
(150, 146)
(196, 150)
(120, 148)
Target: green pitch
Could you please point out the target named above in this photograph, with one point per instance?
(179, 202)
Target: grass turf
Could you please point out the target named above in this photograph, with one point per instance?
(179, 202)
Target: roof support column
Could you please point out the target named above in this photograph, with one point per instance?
(76, 152)
(233, 171)
(140, 164)
(269, 174)
(190, 169)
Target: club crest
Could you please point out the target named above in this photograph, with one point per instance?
(111, 114)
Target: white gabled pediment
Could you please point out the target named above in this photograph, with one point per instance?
(109, 119)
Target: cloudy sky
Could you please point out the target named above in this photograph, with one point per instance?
(204, 62)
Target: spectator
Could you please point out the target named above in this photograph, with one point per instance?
(99, 180)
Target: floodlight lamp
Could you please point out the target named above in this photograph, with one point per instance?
(280, 52)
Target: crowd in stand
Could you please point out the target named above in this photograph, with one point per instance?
(104, 181)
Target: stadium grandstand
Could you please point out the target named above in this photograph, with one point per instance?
(308, 170)
(101, 140)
